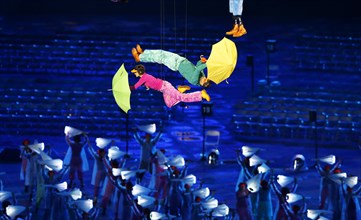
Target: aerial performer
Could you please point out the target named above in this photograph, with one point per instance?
(192, 73)
(236, 9)
(170, 94)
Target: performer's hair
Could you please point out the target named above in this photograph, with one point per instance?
(207, 83)
(140, 69)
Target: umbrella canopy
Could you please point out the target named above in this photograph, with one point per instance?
(249, 151)
(84, 205)
(202, 193)
(210, 203)
(293, 197)
(145, 201)
(56, 164)
(190, 180)
(114, 153)
(140, 190)
(256, 160)
(102, 142)
(37, 148)
(222, 60)
(330, 159)
(177, 161)
(4, 195)
(253, 184)
(284, 180)
(14, 210)
(120, 88)
(221, 210)
(72, 131)
(149, 128)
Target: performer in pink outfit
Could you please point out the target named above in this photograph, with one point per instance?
(170, 94)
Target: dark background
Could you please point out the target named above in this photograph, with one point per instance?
(309, 8)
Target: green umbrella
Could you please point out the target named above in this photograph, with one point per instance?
(120, 88)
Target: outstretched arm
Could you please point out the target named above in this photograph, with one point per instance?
(274, 186)
(67, 139)
(92, 151)
(156, 138)
(295, 185)
(335, 165)
(138, 138)
(319, 169)
(357, 191)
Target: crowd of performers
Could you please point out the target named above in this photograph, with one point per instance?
(121, 191)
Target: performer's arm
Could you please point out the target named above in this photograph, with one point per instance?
(335, 165)
(67, 139)
(295, 185)
(92, 151)
(138, 138)
(156, 138)
(357, 191)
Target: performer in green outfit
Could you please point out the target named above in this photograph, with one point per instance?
(192, 73)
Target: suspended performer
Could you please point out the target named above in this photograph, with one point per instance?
(236, 9)
(192, 73)
(171, 95)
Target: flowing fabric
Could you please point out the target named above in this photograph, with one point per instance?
(85, 164)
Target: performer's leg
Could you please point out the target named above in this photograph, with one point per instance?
(71, 176)
(169, 59)
(172, 96)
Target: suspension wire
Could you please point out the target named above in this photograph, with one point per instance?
(186, 29)
(162, 33)
(175, 24)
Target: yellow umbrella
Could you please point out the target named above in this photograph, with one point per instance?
(120, 88)
(222, 60)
